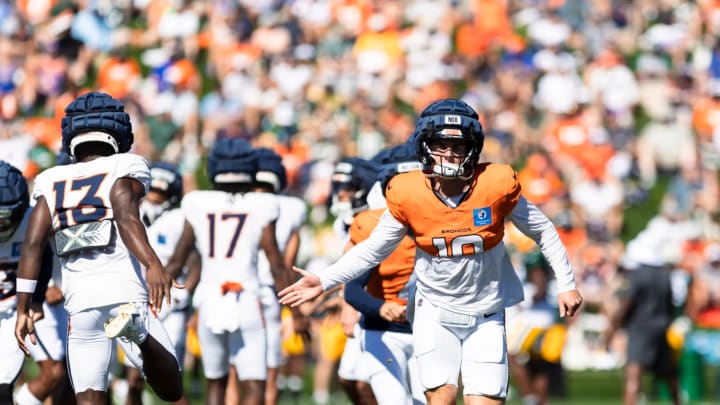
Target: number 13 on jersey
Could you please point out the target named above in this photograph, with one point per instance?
(90, 207)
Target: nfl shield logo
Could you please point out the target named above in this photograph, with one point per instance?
(482, 216)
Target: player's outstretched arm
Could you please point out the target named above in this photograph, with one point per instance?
(303, 290)
(125, 198)
(31, 258)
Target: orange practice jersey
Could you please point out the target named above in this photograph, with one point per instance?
(392, 275)
(476, 225)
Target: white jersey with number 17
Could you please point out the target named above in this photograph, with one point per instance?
(228, 228)
(79, 193)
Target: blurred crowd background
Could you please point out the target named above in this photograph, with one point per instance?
(608, 109)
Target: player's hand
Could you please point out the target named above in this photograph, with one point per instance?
(349, 317)
(159, 284)
(569, 302)
(25, 326)
(53, 296)
(36, 311)
(303, 290)
(393, 312)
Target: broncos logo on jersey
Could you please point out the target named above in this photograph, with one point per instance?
(477, 224)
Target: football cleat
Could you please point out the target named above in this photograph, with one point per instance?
(129, 324)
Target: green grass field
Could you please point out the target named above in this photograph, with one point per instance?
(583, 388)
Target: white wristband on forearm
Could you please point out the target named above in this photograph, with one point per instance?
(25, 285)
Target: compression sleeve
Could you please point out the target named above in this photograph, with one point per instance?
(357, 296)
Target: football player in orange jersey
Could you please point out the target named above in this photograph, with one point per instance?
(381, 296)
(351, 182)
(455, 209)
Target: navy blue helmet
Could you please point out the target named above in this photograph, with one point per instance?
(448, 119)
(165, 178)
(232, 160)
(394, 160)
(356, 175)
(14, 199)
(270, 169)
(96, 117)
(63, 159)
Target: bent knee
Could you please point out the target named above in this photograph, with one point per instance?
(445, 394)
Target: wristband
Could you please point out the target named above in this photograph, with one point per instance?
(25, 285)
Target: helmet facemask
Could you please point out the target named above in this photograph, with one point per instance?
(450, 140)
(350, 203)
(351, 183)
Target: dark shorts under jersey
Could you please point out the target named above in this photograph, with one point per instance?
(650, 349)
